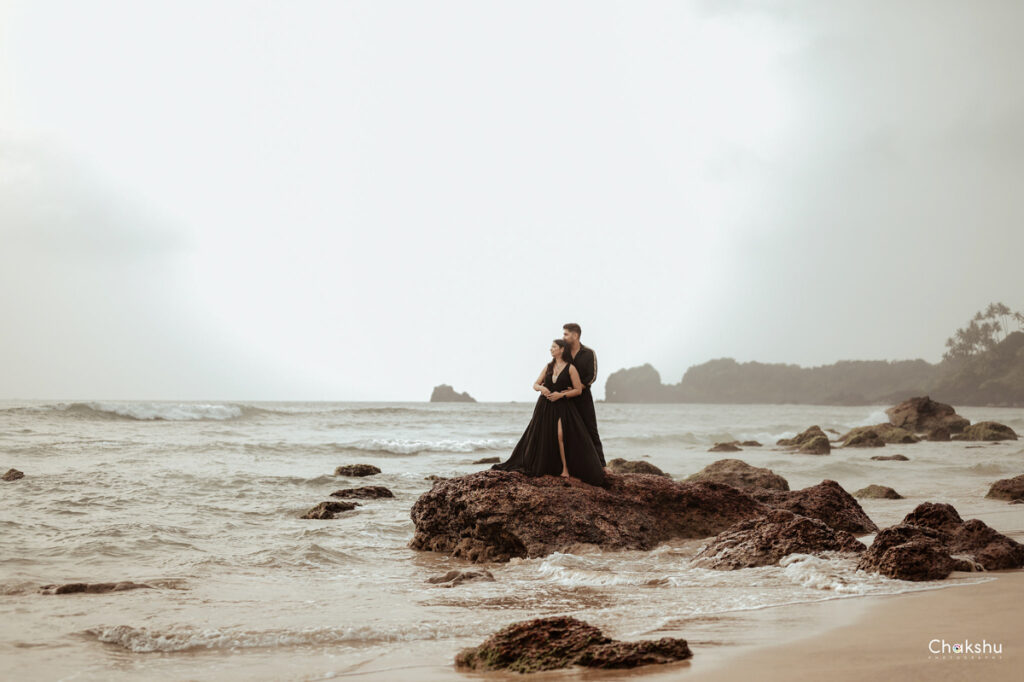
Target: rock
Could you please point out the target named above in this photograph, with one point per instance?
(819, 445)
(446, 394)
(92, 588)
(739, 474)
(487, 460)
(826, 501)
(13, 475)
(356, 470)
(625, 466)
(1007, 489)
(495, 515)
(811, 441)
(990, 548)
(764, 540)
(435, 477)
(560, 642)
(327, 510)
(865, 439)
(887, 433)
(987, 431)
(724, 447)
(906, 552)
(938, 434)
(936, 515)
(922, 414)
(891, 458)
(453, 578)
(367, 492)
(750, 444)
(879, 492)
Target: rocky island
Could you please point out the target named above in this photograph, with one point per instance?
(446, 394)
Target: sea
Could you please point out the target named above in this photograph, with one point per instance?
(201, 501)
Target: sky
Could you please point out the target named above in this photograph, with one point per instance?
(362, 200)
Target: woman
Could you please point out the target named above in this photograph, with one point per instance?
(556, 441)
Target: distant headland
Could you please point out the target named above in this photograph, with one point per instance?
(983, 365)
(446, 394)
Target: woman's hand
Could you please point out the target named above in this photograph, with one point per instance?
(554, 396)
(544, 390)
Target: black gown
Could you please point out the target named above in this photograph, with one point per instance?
(537, 454)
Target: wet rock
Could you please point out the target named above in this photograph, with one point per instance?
(907, 552)
(435, 477)
(328, 510)
(365, 492)
(764, 540)
(891, 458)
(454, 578)
(865, 439)
(13, 475)
(560, 642)
(1007, 489)
(496, 515)
(938, 434)
(878, 492)
(811, 441)
(750, 444)
(93, 588)
(739, 474)
(987, 431)
(826, 501)
(356, 470)
(887, 433)
(724, 447)
(936, 515)
(922, 414)
(625, 466)
(990, 548)
(487, 460)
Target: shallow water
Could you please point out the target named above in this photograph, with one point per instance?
(201, 500)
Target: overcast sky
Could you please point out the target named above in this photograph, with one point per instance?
(361, 200)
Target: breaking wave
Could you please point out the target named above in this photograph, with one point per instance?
(151, 411)
(398, 446)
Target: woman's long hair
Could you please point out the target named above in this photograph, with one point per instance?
(566, 353)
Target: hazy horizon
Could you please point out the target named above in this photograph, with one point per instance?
(360, 201)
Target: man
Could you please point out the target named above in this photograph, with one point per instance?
(585, 361)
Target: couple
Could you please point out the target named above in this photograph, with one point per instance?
(561, 438)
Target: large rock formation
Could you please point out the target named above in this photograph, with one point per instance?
(764, 540)
(560, 642)
(739, 474)
(811, 441)
(826, 501)
(625, 466)
(933, 540)
(987, 431)
(496, 515)
(446, 394)
(1007, 489)
(922, 414)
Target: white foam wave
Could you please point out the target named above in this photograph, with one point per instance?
(187, 638)
(411, 447)
(152, 411)
(876, 417)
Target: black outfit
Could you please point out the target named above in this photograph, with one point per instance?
(586, 364)
(537, 453)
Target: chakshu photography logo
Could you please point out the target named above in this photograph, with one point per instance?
(964, 650)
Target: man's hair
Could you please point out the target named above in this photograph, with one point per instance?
(573, 327)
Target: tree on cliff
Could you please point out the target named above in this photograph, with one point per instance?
(986, 329)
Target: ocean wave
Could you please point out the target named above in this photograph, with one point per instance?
(687, 438)
(190, 638)
(398, 446)
(150, 411)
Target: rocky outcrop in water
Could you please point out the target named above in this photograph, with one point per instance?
(878, 492)
(938, 434)
(811, 441)
(365, 492)
(455, 578)
(865, 439)
(560, 642)
(487, 460)
(764, 540)
(933, 541)
(93, 588)
(496, 515)
(987, 431)
(625, 466)
(739, 474)
(891, 458)
(826, 501)
(922, 414)
(724, 447)
(446, 394)
(13, 475)
(886, 433)
(357, 470)
(329, 509)
(1007, 489)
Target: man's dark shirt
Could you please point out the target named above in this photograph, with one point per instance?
(586, 365)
